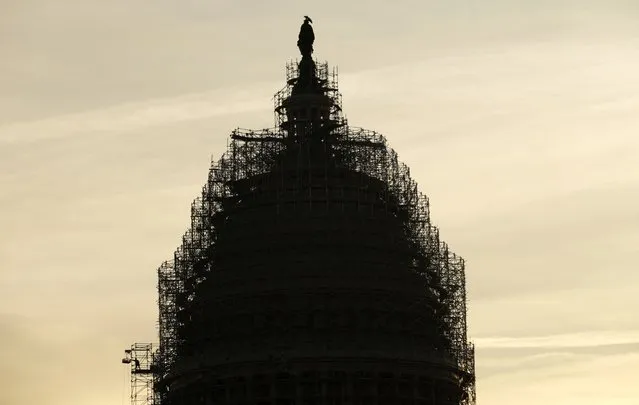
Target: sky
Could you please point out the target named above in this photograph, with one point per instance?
(518, 120)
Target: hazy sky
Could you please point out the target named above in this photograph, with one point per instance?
(518, 118)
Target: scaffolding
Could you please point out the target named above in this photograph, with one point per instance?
(252, 156)
(328, 85)
(140, 357)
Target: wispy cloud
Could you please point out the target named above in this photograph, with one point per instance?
(573, 340)
(140, 115)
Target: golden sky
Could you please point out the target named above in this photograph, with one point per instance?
(518, 119)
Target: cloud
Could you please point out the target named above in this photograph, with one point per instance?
(574, 340)
(141, 115)
(584, 380)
